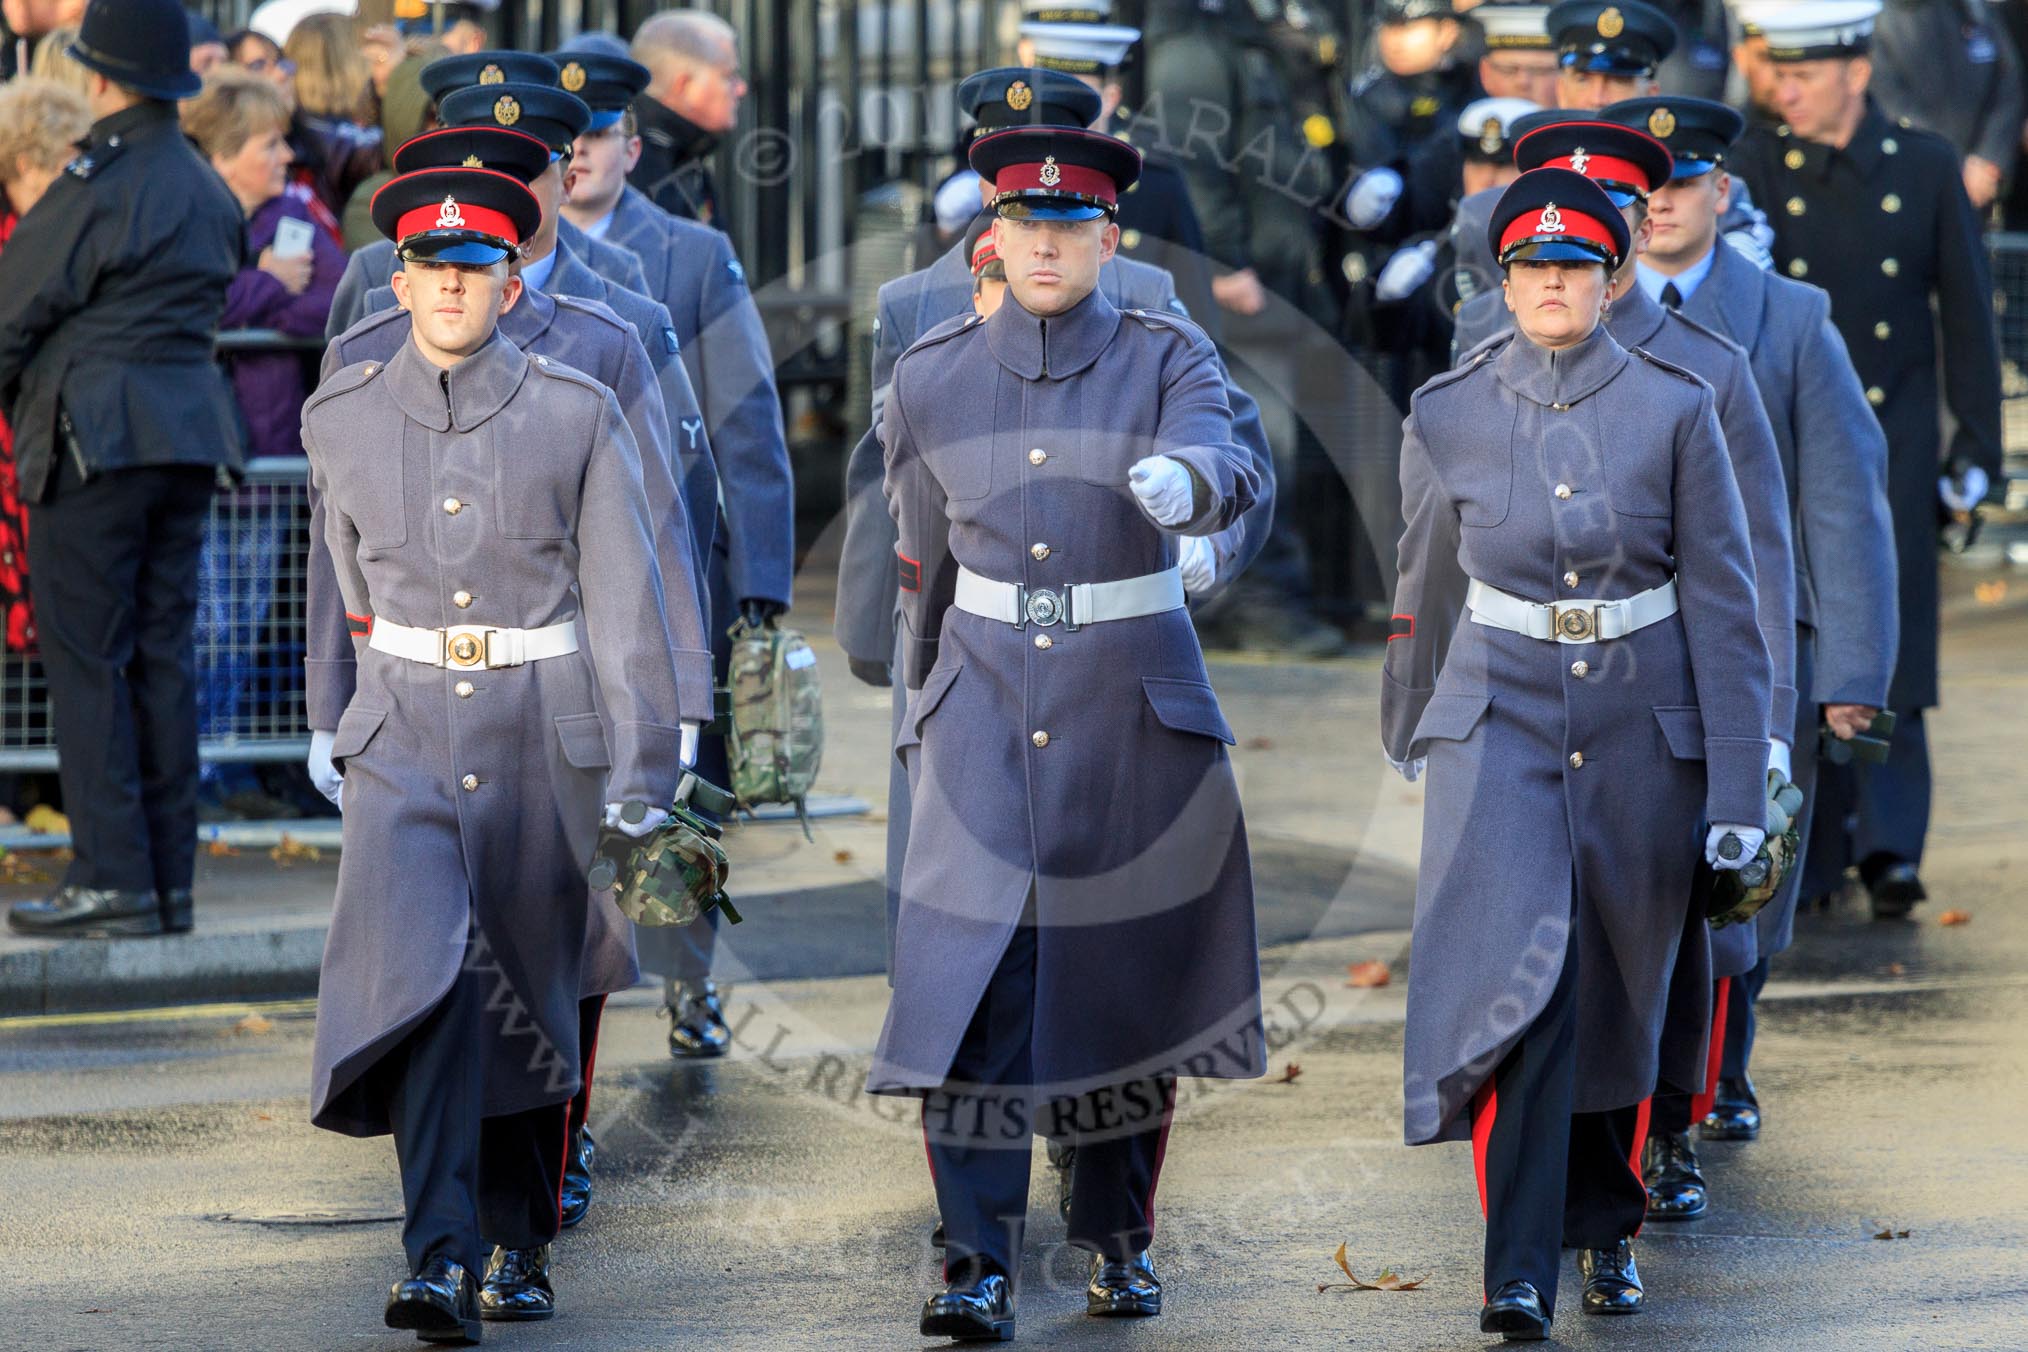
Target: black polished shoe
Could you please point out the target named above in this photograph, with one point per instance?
(697, 1023)
(179, 910)
(1062, 1158)
(517, 1285)
(1129, 1288)
(1896, 892)
(577, 1187)
(1734, 1115)
(1612, 1284)
(440, 1304)
(937, 1236)
(979, 1307)
(1676, 1189)
(88, 913)
(1515, 1313)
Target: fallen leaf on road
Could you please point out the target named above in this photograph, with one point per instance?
(253, 1025)
(16, 868)
(1369, 974)
(1896, 969)
(45, 820)
(263, 1117)
(218, 849)
(842, 857)
(1991, 593)
(288, 850)
(1260, 744)
(1955, 918)
(1887, 1231)
(1388, 1280)
(1291, 1072)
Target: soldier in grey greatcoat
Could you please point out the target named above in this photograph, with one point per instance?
(1058, 966)
(479, 744)
(691, 269)
(1577, 665)
(590, 338)
(1834, 469)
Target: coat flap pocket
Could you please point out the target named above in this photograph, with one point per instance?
(583, 737)
(1186, 706)
(1683, 727)
(924, 703)
(1451, 718)
(356, 727)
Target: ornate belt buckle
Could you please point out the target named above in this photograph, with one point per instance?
(1043, 607)
(465, 650)
(1577, 624)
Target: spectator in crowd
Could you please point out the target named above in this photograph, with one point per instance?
(52, 62)
(692, 99)
(335, 149)
(258, 53)
(207, 48)
(405, 111)
(28, 21)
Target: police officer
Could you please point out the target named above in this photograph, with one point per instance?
(1577, 498)
(1834, 465)
(588, 337)
(691, 100)
(1876, 214)
(480, 743)
(110, 297)
(1415, 88)
(1027, 919)
(1158, 225)
(1519, 60)
(1948, 66)
(509, 89)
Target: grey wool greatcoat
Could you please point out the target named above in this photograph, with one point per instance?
(472, 797)
(588, 337)
(1089, 771)
(1834, 460)
(1568, 784)
(868, 598)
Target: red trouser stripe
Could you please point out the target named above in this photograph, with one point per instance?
(1640, 1145)
(1485, 1108)
(1161, 1153)
(1721, 998)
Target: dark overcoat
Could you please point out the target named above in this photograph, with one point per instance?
(472, 798)
(1568, 784)
(1084, 769)
(1882, 224)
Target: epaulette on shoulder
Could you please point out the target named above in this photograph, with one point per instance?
(1469, 362)
(556, 370)
(1161, 320)
(949, 329)
(344, 381)
(1681, 372)
(598, 310)
(369, 323)
(89, 163)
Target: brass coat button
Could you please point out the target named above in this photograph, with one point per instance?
(1040, 739)
(1037, 456)
(471, 782)
(1044, 642)
(461, 599)
(1875, 395)
(1889, 146)
(1563, 491)
(464, 689)
(1796, 206)
(1794, 159)
(1891, 267)
(452, 506)
(1890, 203)
(1580, 669)
(1882, 329)
(1577, 760)
(1570, 579)
(1038, 551)
(1798, 268)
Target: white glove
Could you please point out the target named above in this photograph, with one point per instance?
(323, 773)
(656, 816)
(1778, 757)
(1163, 486)
(1408, 770)
(687, 753)
(1407, 270)
(1750, 837)
(1963, 495)
(1198, 562)
(1373, 195)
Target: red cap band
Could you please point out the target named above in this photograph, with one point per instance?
(451, 214)
(984, 252)
(1554, 220)
(1049, 176)
(1602, 167)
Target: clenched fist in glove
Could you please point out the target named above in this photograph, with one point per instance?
(1197, 561)
(1164, 489)
(323, 773)
(1750, 838)
(615, 819)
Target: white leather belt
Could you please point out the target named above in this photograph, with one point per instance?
(1570, 621)
(1073, 606)
(473, 646)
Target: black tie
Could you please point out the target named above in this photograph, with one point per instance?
(1671, 297)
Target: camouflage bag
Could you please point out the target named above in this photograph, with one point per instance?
(677, 871)
(775, 730)
(1737, 895)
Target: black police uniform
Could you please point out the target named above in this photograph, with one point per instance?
(1883, 225)
(110, 298)
(1159, 226)
(675, 167)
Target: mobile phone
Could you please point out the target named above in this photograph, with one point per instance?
(292, 237)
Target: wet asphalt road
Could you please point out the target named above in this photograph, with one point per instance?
(165, 1191)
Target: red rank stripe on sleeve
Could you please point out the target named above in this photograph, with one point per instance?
(358, 626)
(911, 572)
(1400, 626)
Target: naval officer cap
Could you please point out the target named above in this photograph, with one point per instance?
(1628, 164)
(1813, 30)
(451, 73)
(1055, 173)
(510, 152)
(1486, 128)
(1555, 215)
(1077, 38)
(1514, 27)
(548, 114)
(1409, 11)
(476, 216)
(1626, 38)
(1027, 96)
(606, 83)
(1697, 132)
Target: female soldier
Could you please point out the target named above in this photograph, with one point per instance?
(1609, 695)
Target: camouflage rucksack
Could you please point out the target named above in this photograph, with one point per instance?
(775, 731)
(677, 871)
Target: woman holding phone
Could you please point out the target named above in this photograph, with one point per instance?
(1575, 664)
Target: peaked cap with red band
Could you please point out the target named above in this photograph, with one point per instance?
(1055, 173)
(1628, 164)
(1554, 215)
(456, 215)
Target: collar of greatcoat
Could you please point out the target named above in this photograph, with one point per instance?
(462, 397)
(1731, 297)
(1564, 377)
(1636, 318)
(572, 276)
(1032, 347)
(530, 318)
